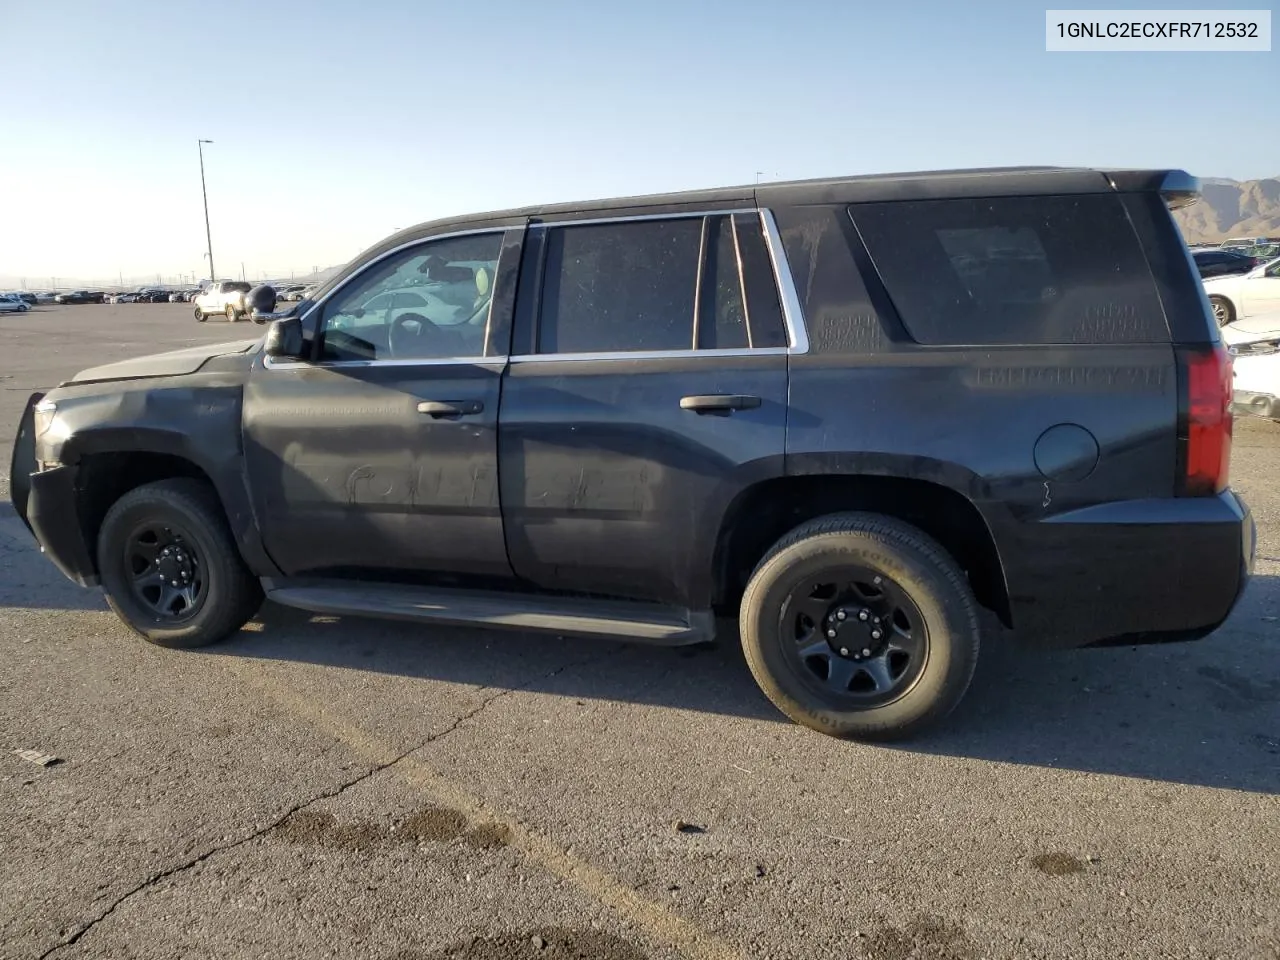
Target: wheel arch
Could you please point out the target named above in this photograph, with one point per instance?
(766, 511)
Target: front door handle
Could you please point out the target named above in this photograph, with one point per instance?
(719, 403)
(450, 408)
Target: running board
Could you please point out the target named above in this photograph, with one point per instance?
(622, 620)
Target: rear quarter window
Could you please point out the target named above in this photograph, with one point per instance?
(1021, 270)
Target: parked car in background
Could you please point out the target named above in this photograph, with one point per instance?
(12, 304)
(226, 297)
(79, 296)
(292, 292)
(1255, 344)
(28, 298)
(770, 402)
(153, 295)
(1236, 297)
(175, 297)
(1242, 242)
(1222, 263)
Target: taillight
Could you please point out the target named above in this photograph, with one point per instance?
(1206, 419)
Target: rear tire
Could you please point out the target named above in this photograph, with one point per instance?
(1223, 310)
(858, 676)
(170, 567)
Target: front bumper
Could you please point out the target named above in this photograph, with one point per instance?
(46, 502)
(1135, 571)
(1250, 403)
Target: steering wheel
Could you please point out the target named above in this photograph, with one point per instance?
(413, 335)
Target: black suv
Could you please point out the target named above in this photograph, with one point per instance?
(848, 412)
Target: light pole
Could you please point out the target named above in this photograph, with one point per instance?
(208, 235)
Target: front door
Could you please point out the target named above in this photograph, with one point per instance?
(651, 392)
(377, 458)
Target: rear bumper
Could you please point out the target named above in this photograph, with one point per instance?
(1136, 571)
(1249, 403)
(46, 502)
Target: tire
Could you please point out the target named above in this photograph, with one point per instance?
(200, 317)
(232, 315)
(1223, 310)
(228, 594)
(936, 604)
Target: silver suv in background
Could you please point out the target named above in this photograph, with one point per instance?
(226, 297)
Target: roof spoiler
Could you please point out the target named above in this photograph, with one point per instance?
(1177, 187)
(1180, 189)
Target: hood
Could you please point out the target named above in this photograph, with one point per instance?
(173, 363)
(1262, 326)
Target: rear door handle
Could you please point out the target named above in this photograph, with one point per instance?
(719, 403)
(450, 408)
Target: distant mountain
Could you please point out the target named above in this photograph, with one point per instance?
(1232, 208)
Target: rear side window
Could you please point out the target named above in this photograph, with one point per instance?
(1022, 270)
(626, 286)
(659, 285)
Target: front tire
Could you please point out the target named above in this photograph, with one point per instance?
(232, 315)
(858, 625)
(170, 567)
(200, 317)
(1223, 310)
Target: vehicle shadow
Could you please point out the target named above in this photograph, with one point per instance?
(1204, 714)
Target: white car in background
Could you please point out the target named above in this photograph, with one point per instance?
(1255, 343)
(1246, 294)
(13, 305)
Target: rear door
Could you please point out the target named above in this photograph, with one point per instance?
(647, 388)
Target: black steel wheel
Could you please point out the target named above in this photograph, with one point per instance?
(858, 635)
(166, 573)
(861, 626)
(170, 566)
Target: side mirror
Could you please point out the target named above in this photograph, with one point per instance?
(284, 339)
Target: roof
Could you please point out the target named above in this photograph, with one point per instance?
(916, 185)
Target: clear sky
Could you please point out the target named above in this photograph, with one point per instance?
(335, 123)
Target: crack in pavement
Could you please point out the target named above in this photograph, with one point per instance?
(156, 878)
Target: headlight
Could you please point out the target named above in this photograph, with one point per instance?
(47, 434)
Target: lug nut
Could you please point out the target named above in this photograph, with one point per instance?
(862, 614)
(877, 580)
(875, 634)
(844, 651)
(875, 619)
(866, 651)
(831, 634)
(840, 615)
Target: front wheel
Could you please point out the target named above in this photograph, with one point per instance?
(858, 625)
(170, 567)
(1223, 310)
(200, 317)
(232, 315)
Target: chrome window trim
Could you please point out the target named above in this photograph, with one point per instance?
(651, 355)
(683, 215)
(792, 315)
(273, 364)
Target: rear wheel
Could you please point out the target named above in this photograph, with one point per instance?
(170, 567)
(861, 626)
(1223, 310)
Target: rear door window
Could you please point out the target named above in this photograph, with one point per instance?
(1021, 270)
(658, 286)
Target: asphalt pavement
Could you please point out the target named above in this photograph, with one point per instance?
(324, 787)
